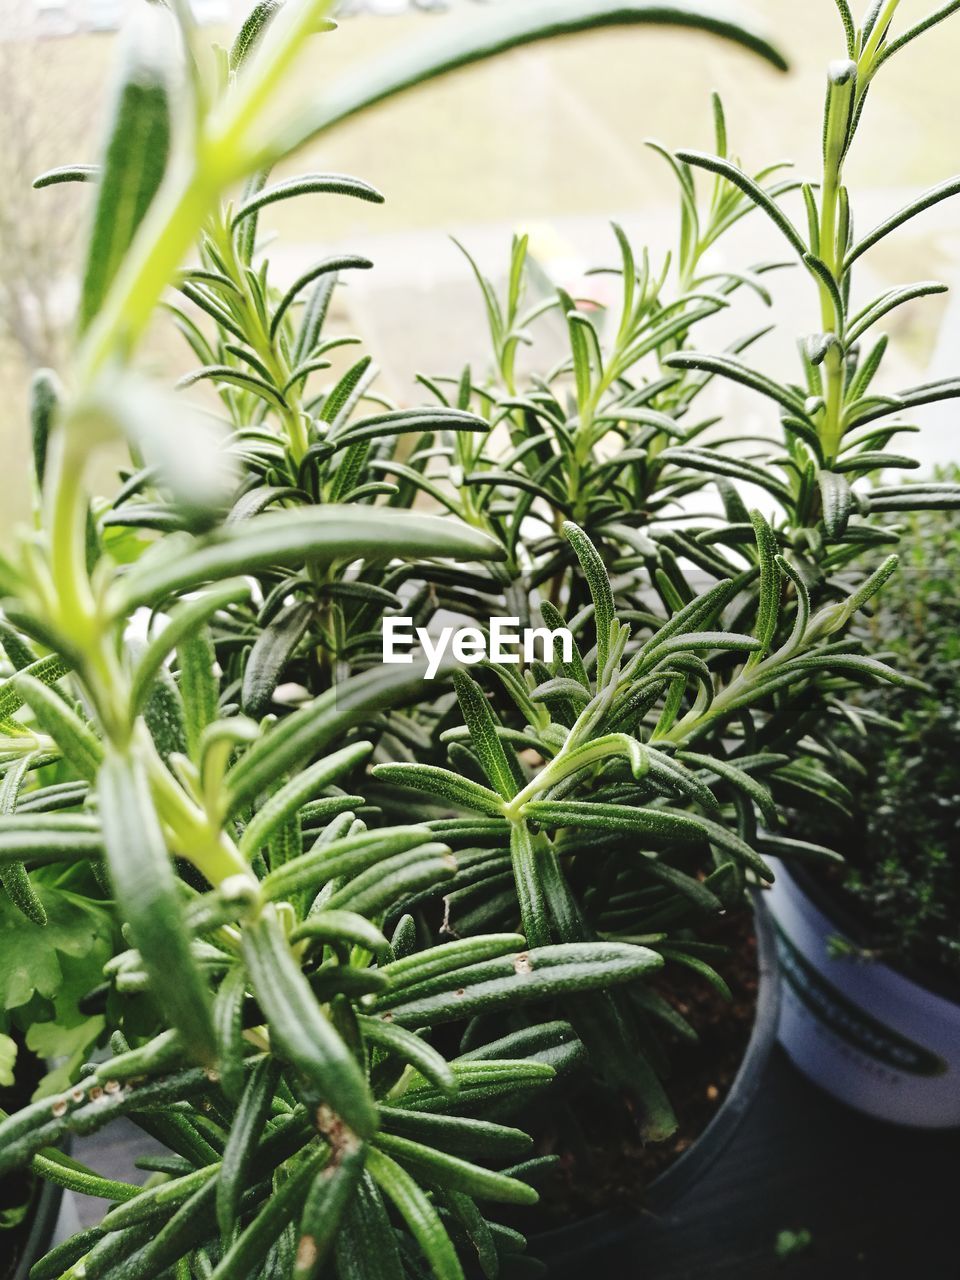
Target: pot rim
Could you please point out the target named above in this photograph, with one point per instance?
(847, 923)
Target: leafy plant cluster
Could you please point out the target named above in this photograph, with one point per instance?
(624, 453)
(337, 925)
(895, 754)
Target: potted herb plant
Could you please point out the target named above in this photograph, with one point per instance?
(623, 455)
(63, 901)
(334, 997)
(871, 1011)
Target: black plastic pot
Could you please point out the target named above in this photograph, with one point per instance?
(607, 1244)
(28, 1242)
(39, 1235)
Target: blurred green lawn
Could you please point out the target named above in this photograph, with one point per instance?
(555, 131)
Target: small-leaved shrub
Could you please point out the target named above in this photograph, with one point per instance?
(895, 751)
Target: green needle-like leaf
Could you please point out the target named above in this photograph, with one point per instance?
(314, 727)
(943, 191)
(312, 184)
(410, 1049)
(47, 671)
(461, 1175)
(13, 875)
(252, 31)
(146, 888)
(483, 734)
(770, 585)
(538, 974)
(245, 1131)
(450, 787)
(598, 581)
(327, 1201)
(419, 1213)
(77, 742)
(301, 1030)
(181, 623)
(135, 161)
(656, 823)
(289, 799)
(319, 535)
(489, 35)
(751, 189)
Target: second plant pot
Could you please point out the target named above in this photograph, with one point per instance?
(24, 1244)
(41, 1231)
(608, 1239)
(867, 1034)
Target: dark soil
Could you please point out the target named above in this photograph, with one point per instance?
(604, 1164)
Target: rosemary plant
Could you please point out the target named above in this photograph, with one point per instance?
(603, 468)
(326, 994)
(263, 1024)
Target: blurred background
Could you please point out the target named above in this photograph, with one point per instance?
(548, 140)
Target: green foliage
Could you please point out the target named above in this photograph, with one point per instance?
(789, 1244)
(8, 1057)
(360, 921)
(896, 752)
(47, 970)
